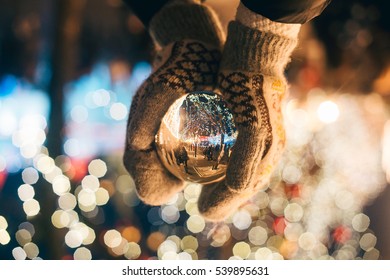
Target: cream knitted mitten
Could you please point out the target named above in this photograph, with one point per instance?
(190, 41)
(252, 81)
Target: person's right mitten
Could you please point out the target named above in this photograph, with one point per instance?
(251, 81)
(190, 41)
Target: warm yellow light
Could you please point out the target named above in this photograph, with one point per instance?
(4, 237)
(3, 223)
(242, 250)
(112, 238)
(196, 223)
(82, 253)
(31, 207)
(132, 251)
(189, 242)
(242, 219)
(257, 235)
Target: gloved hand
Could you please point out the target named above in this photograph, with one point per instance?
(251, 81)
(190, 40)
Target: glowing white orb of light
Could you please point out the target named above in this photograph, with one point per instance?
(328, 112)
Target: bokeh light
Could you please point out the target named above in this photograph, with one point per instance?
(360, 222)
(102, 196)
(90, 182)
(32, 250)
(3, 223)
(120, 249)
(132, 251)
(293, 212)
(263, 254)
(184, 256)
(112, 238)
(368, 241)
(189, 242)
(44, 163)
(30, 175)
(170, 214)
(154, 240)
(4, 237)
(258, 235)
(336, 160)
(192, 192)
(220, 236)
(67, 201)
(31, 207)
(60, 219)
(79, 114)
(61, 184)
(242, 219)
(131, 234)
(82, 253)
(23, 237)
(97, 168)
(196, 223)
(167, 250)
(26, 192)
(73, 238)
(307, 241)
(87, 200)
(19, 254)
(101, 97)
(242, 250)
(328, 112)
(118, 111)
(90, 237)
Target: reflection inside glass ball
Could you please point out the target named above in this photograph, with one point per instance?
(196, 136)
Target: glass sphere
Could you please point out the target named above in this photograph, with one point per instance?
(196, 136)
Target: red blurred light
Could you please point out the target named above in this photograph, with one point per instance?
(67, 257)
(342, 234)
(293, 191)
(78, 169)
(144, 257)
(3, 178)
(279, 225)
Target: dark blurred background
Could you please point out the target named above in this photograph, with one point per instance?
(68, 71)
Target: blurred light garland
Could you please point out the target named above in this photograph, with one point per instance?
(312, 209)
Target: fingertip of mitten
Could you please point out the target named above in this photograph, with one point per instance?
(153, 183)
(155, 187)
(217, 202)
(186, 20)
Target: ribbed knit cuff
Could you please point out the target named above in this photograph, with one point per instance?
(257, 21)
(251, 50)
(180, 21)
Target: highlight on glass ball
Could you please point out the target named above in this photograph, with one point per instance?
(196, 138)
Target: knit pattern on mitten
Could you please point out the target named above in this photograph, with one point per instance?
(189, 63)
(251, 80)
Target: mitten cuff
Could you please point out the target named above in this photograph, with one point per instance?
(252, 50)
(259, 22)
(180, 21)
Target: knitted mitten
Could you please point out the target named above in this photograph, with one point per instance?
(190, 41)
(251, 80)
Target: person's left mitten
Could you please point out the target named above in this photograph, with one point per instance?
(251, 81)
(190, 40)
